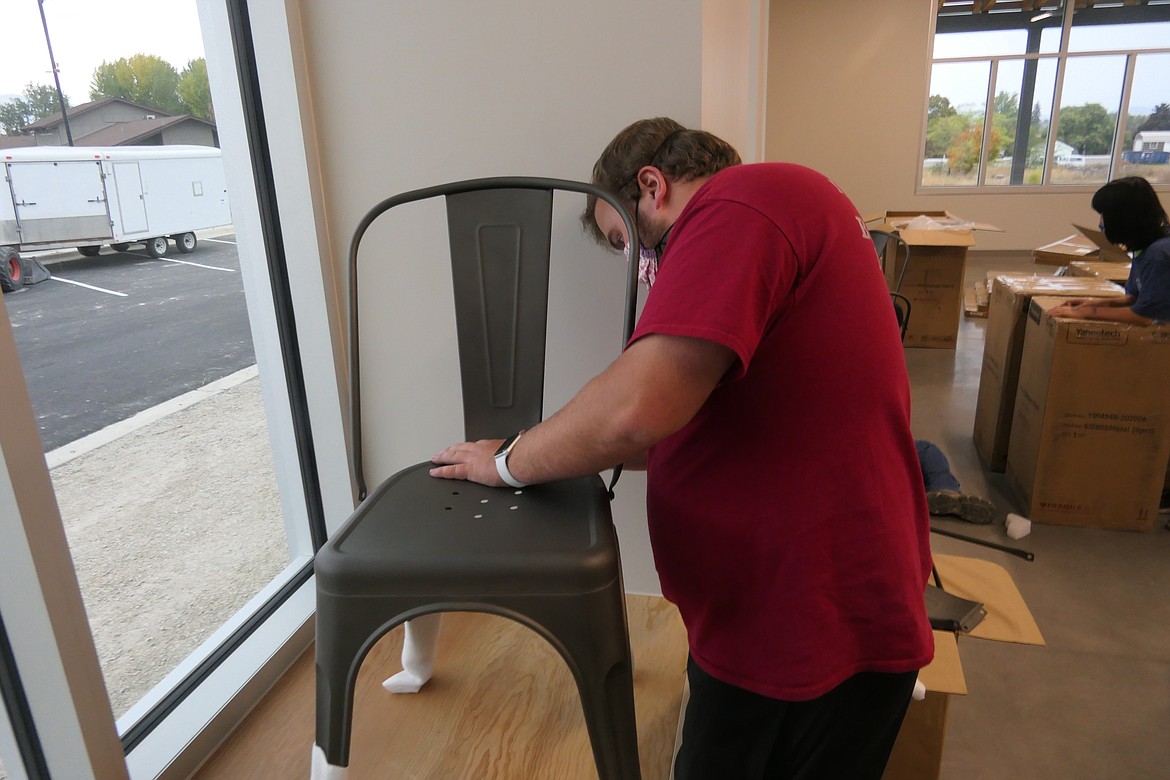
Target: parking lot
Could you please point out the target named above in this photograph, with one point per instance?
(112, 335)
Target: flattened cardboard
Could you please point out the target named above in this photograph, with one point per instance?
(1106, 249)
(917, 753)
(1074, 247)
(1003, 344)
(1090, 434)
(1114, 272)
(1008, 617)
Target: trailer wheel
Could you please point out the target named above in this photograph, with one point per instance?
(157, 247)
(89, 251)
(186, 242)
(119, 247)
(11, 274)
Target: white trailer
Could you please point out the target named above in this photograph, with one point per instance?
(87, 197)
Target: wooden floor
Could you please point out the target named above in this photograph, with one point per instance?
(502, 705)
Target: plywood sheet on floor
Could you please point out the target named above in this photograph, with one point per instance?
(502, 704)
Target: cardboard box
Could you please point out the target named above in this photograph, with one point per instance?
(1114, 272)
(934, 275)
(1064, 251)
(1002, 344)
(1090, 435)
(1106, 250)
(1086, 244)
(917, 753)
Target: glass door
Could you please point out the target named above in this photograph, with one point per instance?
(165, 372)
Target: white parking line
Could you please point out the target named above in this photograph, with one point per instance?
(200, 265)
(88, 286)
(218, 241)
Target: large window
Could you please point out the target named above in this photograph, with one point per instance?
(171, 408)
(1032, 93)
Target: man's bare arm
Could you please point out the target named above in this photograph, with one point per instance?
(651, 391)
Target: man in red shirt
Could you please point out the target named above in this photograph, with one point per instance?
(766, 387)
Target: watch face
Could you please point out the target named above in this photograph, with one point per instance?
(507, 443)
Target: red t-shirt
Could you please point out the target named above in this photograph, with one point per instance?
(788, 518)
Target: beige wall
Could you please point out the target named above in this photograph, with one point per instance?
(735, 66)
(846, 90)
(397, 96)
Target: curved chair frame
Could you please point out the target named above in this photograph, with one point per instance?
(411, 549)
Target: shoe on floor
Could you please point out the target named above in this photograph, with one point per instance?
(973, 509)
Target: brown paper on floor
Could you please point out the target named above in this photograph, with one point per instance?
(1008, 617)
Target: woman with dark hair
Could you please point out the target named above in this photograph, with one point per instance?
(1133, 217)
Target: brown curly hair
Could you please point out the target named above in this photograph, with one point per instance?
(680, 154)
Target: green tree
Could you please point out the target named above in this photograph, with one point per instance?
(143, 78)
(1159, 120)
(36, 102)
(942, 132)
(939, 107)
(943, 125)
(1003, 120)
(194, 89)
(1037, 138)
(1087, 128)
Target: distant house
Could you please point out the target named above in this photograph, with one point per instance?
(1063, 153)
(1152, 141)
(1150, 147)
(116, 122)
(16, 141)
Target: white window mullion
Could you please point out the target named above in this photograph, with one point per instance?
(1122, 115)
(41, 603)
(988, 123)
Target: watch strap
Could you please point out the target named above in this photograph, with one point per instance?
(501, 459)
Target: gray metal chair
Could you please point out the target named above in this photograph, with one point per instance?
(881, 243)
(901, 311)
(545, 556)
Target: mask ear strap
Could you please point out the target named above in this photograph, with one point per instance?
(617, 472)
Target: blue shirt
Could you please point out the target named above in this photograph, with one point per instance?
(1149, 281)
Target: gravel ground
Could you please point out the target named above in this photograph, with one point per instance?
(173, 527)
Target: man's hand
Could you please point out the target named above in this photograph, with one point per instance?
(652, 390)
(471, 460)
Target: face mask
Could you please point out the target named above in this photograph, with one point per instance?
(647, 265)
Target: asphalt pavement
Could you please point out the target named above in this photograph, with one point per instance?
(169, 500)
(113, 335)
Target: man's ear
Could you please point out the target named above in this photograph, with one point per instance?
(653, 181)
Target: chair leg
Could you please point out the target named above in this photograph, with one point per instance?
(418, 654)
(592, 634)
(321, 769)
(343, 628)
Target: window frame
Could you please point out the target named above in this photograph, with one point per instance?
(1061, 56)
(173, 730)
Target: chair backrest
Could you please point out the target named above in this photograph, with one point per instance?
(500, 232)
(881, 240)
(901, 311)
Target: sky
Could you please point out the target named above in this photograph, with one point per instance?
(84, 33)
(1096, 80)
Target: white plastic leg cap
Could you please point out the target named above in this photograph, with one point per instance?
(323, 770)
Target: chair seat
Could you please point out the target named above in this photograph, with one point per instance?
(415, 534)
